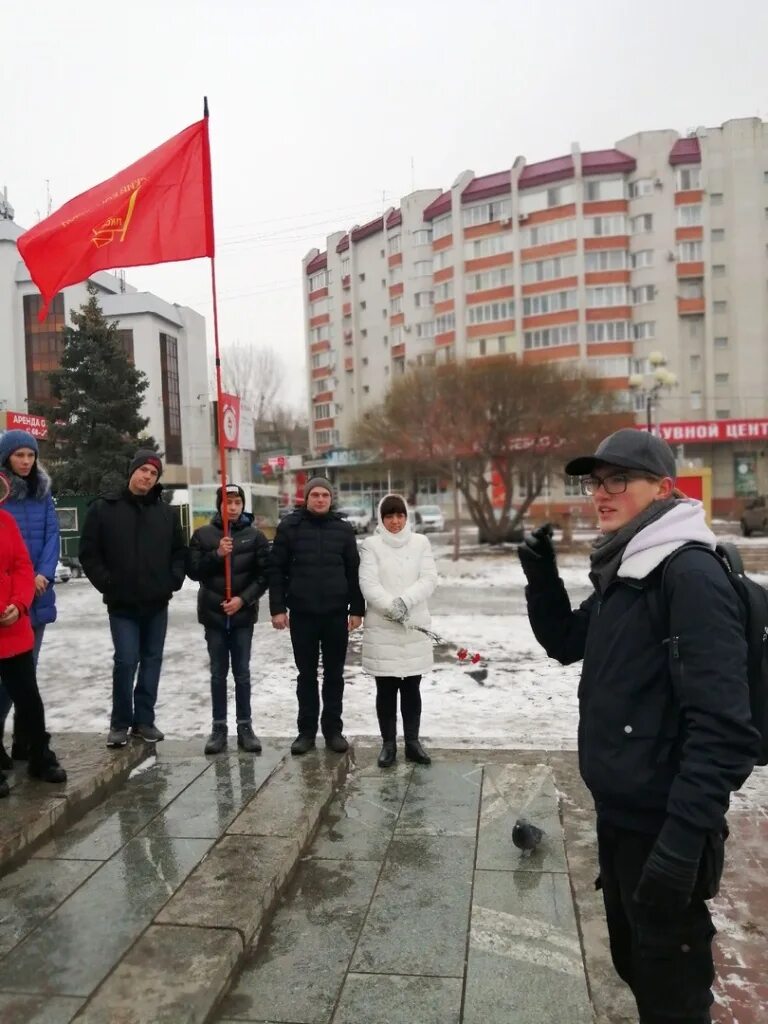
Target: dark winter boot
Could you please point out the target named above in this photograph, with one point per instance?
(45, 766)
(337, 743)
(217, 741)
(388, 754)
(302, 744)
(247, 739)
(415, 752)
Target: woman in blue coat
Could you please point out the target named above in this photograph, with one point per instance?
(31, 505)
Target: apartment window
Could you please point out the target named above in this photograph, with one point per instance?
(604, 188)
(444, 323)
(318, 280)
(716, 198)
(319, 333)
(718, 234)
(424, 299)
(597, 227)
(444, 291)
(490, 312)
(695, 399)
(549, 302)
(323, 411)
(546, 198)
(169, 371)
(645, 293)
(548, 337)
(396, 334)
(422, 268)
(487, 213)
(396, 305)
(606, 259)
(609, 330)
(422, 237)
(721, 378)
(721, 342)
(688, 178)
(446, 354)
(548, 270)
(610, 295)
(645, 329)
(641, 187)
(544, 234)
(425, 330)
(442, 259)
(641, 225)
(720, 306)
(690, 252)
(643, 258)
(695, 363)
(718, 270)
(494, 245)
(320, 359)
(609, 366)
(689, 215)
(318, 386)
(395, 274)
(442, 227)
(363, 304)
(572, 486)
(394, 244)
(345, 266)
(691, 290)
(318, 308)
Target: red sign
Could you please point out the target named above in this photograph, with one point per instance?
(714, 431)
(34, 425)
(277, 461)
(230, 418)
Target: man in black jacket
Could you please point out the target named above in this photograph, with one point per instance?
(665, 732)
(132, 550)
(229, 622)
(314, 573)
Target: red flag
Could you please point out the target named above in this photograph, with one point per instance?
(158, 210)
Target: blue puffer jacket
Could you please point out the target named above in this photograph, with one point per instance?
(36, 518)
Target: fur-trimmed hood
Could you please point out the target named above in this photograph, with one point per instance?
(20, 490)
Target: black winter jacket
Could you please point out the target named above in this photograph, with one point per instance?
(132, 550)
(250, 553)
(665, 725)
(314, 565)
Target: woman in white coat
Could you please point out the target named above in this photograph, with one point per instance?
(397, 575)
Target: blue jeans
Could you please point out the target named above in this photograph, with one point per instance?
(138, 644)
(225, 646)
(5, 697)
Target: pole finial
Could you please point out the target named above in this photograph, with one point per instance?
(205, 106)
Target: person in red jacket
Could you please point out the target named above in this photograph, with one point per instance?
(17, 665)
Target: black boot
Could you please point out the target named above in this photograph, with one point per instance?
(302, 744)
(217, 741)
(45, 766)
(247, 738)
(415, 752)
(388, 754)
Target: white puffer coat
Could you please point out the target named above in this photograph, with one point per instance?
(396, 565)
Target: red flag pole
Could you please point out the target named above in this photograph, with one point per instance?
(219, 402)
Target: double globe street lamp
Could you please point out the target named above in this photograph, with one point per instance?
(651, 383)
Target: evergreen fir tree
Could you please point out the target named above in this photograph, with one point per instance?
(95, 424)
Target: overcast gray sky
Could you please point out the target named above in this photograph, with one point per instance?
(318, 108)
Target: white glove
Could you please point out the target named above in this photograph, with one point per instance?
(397, 611)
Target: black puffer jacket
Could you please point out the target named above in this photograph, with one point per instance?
(665, 726)
(250, 553)
(314, 565)
(132, 550)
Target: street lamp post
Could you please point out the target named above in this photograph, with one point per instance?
(650, 384)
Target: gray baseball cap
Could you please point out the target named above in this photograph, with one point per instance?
(629, 449)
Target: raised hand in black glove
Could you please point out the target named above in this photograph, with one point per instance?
(537, 552)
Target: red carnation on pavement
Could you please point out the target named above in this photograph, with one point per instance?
(462, 653)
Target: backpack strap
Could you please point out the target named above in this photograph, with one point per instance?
(656, 595)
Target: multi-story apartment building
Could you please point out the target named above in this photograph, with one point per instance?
(605, 257)
(165, 340)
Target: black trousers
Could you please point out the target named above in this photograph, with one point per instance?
(311, 635)
(666, 959)
(17, 674)
(387, 688)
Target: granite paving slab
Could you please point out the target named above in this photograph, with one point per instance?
(360, 822)
(392, 999)
(22, 1009)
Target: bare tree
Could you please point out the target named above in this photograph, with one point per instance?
(255, 374)
(469, 420)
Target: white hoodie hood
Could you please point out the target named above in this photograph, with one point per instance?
(394, 540)
(648, 548)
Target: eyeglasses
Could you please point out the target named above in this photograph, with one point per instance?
(615, 483)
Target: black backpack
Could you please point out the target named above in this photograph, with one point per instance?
(754, 600)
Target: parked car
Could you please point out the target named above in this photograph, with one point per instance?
(357, 516)
(429, 519)
(755, 516)
(63, 573)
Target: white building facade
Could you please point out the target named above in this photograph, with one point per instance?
(166, 341)
(602, 258)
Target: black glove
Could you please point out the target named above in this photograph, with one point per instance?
(537, 552)
(671, 870)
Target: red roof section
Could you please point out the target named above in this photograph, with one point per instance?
(685, 151)
(395, 218)
(440, 205)
(606, 161)
(366, 230)
(545, 171)
(343, 244)
(497, 184)
(319, 262)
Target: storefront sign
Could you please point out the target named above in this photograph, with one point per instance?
(34, 425)
(714, 431)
